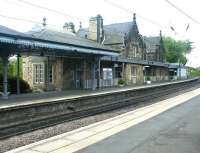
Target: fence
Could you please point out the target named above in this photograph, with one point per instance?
(88, 84)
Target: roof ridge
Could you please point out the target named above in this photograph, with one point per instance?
(118, 23)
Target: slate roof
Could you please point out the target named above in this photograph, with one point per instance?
(47, 38)
(5, 30)
(114, 33)
(65, 37)
(151, 43)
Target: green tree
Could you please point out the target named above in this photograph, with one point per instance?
(12, 69)
(176, 50)
(195, 72)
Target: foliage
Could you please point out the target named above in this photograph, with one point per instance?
(121, 82)
(12, 82)
(176, 50)
(195, 72)
(12, 68)
(12, 85)
(148, 78)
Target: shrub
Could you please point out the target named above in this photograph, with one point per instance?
(148, 78)
(121, 82)
(12, 85)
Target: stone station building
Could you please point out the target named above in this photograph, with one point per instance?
(126, 38)
(94, 57)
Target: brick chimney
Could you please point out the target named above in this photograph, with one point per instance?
(70, 27)
(96, 31)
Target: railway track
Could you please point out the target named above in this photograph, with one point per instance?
(108, 103)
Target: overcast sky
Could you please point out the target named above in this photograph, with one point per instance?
(158, 11)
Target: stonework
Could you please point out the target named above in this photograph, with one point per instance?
(28, 63)
(133, 74)
(81, 72)
(27, 70)
(140, 74)
(58, 73)
(96, 32)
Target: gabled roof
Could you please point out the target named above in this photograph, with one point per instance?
(65, 37)
(151, 43)
(114, 33)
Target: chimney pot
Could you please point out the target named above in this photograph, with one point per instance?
(134, 16)
(44, 22)
(80, 25)
(69, 27)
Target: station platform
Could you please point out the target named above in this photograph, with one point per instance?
(34, 98)
(171, 125)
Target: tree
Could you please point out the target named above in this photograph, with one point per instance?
(12, 69)
(176, 50)
(12, 72)
(195, 72)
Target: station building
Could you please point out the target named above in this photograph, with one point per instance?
(94, 57)
(139, 56)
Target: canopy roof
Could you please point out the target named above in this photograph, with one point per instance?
(45, 38)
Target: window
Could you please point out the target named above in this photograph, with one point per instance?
(107, 74)
(38, 73)
(134, 51)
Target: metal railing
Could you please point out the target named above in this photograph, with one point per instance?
(89, 84)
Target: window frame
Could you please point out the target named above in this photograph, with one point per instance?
(41, 79)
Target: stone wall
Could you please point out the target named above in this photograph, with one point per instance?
(140, 74)
(28, 73)
(92, 35)
(68, 73)
(159, 74)
(96, 31)
(127, 73)
(27, 70)
(58, 73)
(133, 74)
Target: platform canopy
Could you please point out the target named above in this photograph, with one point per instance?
(45, 42)
(61, 42)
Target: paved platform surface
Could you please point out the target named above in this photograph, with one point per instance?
(175, 131)
(33, 98)
(169, 126)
